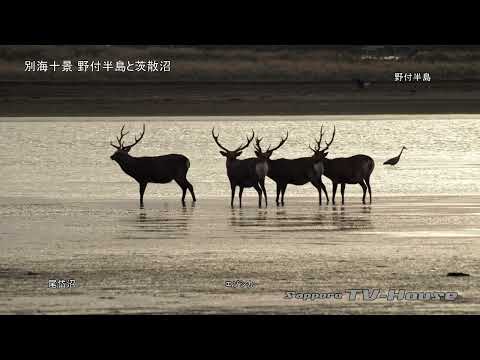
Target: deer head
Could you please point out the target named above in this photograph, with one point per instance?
(265, 155)
(318, 152)
(122, 149)
(232, 154)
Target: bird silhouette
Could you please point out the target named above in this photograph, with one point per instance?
(394, 161)
(362, 84)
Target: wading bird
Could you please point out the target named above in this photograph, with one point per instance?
(152, 169)
(352, 170)
(293, 171)
(244, 173)
(362, 84)
(394, 161)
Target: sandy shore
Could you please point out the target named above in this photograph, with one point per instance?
(174, 260)
(58, 98)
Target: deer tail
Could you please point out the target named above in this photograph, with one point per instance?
(371, 166)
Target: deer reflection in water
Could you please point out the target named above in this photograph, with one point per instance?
(245, 218)
(279, 221)
(167, 223)
(356, 218)
(286, 221)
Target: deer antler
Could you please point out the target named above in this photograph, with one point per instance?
(330, 143)
(218, 143)
(318, 142)
(257, 144)
(279, 145)
(136, 140)
(241, 147)
(119, 139)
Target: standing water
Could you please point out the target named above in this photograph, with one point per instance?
(68, 211)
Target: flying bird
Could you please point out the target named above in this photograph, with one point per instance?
(394, 161)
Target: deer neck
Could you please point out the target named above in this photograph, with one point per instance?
(314, 158)
(326, 165)
(127, 163)
(230, 162)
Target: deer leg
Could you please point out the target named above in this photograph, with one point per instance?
(143, 186)
(324, 190)
(262, 185)
(334, 191)
(319, 189)
(321, 186)
(283, 192)
(240, 195)
(364, 187)
(184, 192)
(342, 190)
(190, 188)
(259, 191)
(319, 195)
(278, 193)
(233, 194)
(367, 180)
(183, 184)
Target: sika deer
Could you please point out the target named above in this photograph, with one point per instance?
(352, 170)
(244, 173)
(293, 171)
(152, 169)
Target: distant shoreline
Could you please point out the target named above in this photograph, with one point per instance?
(216, 117)
(51, 99)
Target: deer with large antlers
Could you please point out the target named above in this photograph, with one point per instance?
(244, 173)
(293, 171)
(152, 169)
(351, 170)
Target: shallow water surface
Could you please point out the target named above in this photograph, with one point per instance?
(69, 158)
(166, 258)
(68, 212)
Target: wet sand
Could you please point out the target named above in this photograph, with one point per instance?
(137, 98)
(166, 259)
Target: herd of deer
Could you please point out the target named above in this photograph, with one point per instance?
(251, 172)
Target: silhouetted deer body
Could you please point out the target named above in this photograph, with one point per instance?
(352, 170)
(244, 173)
(298, 171)
(153, 169)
